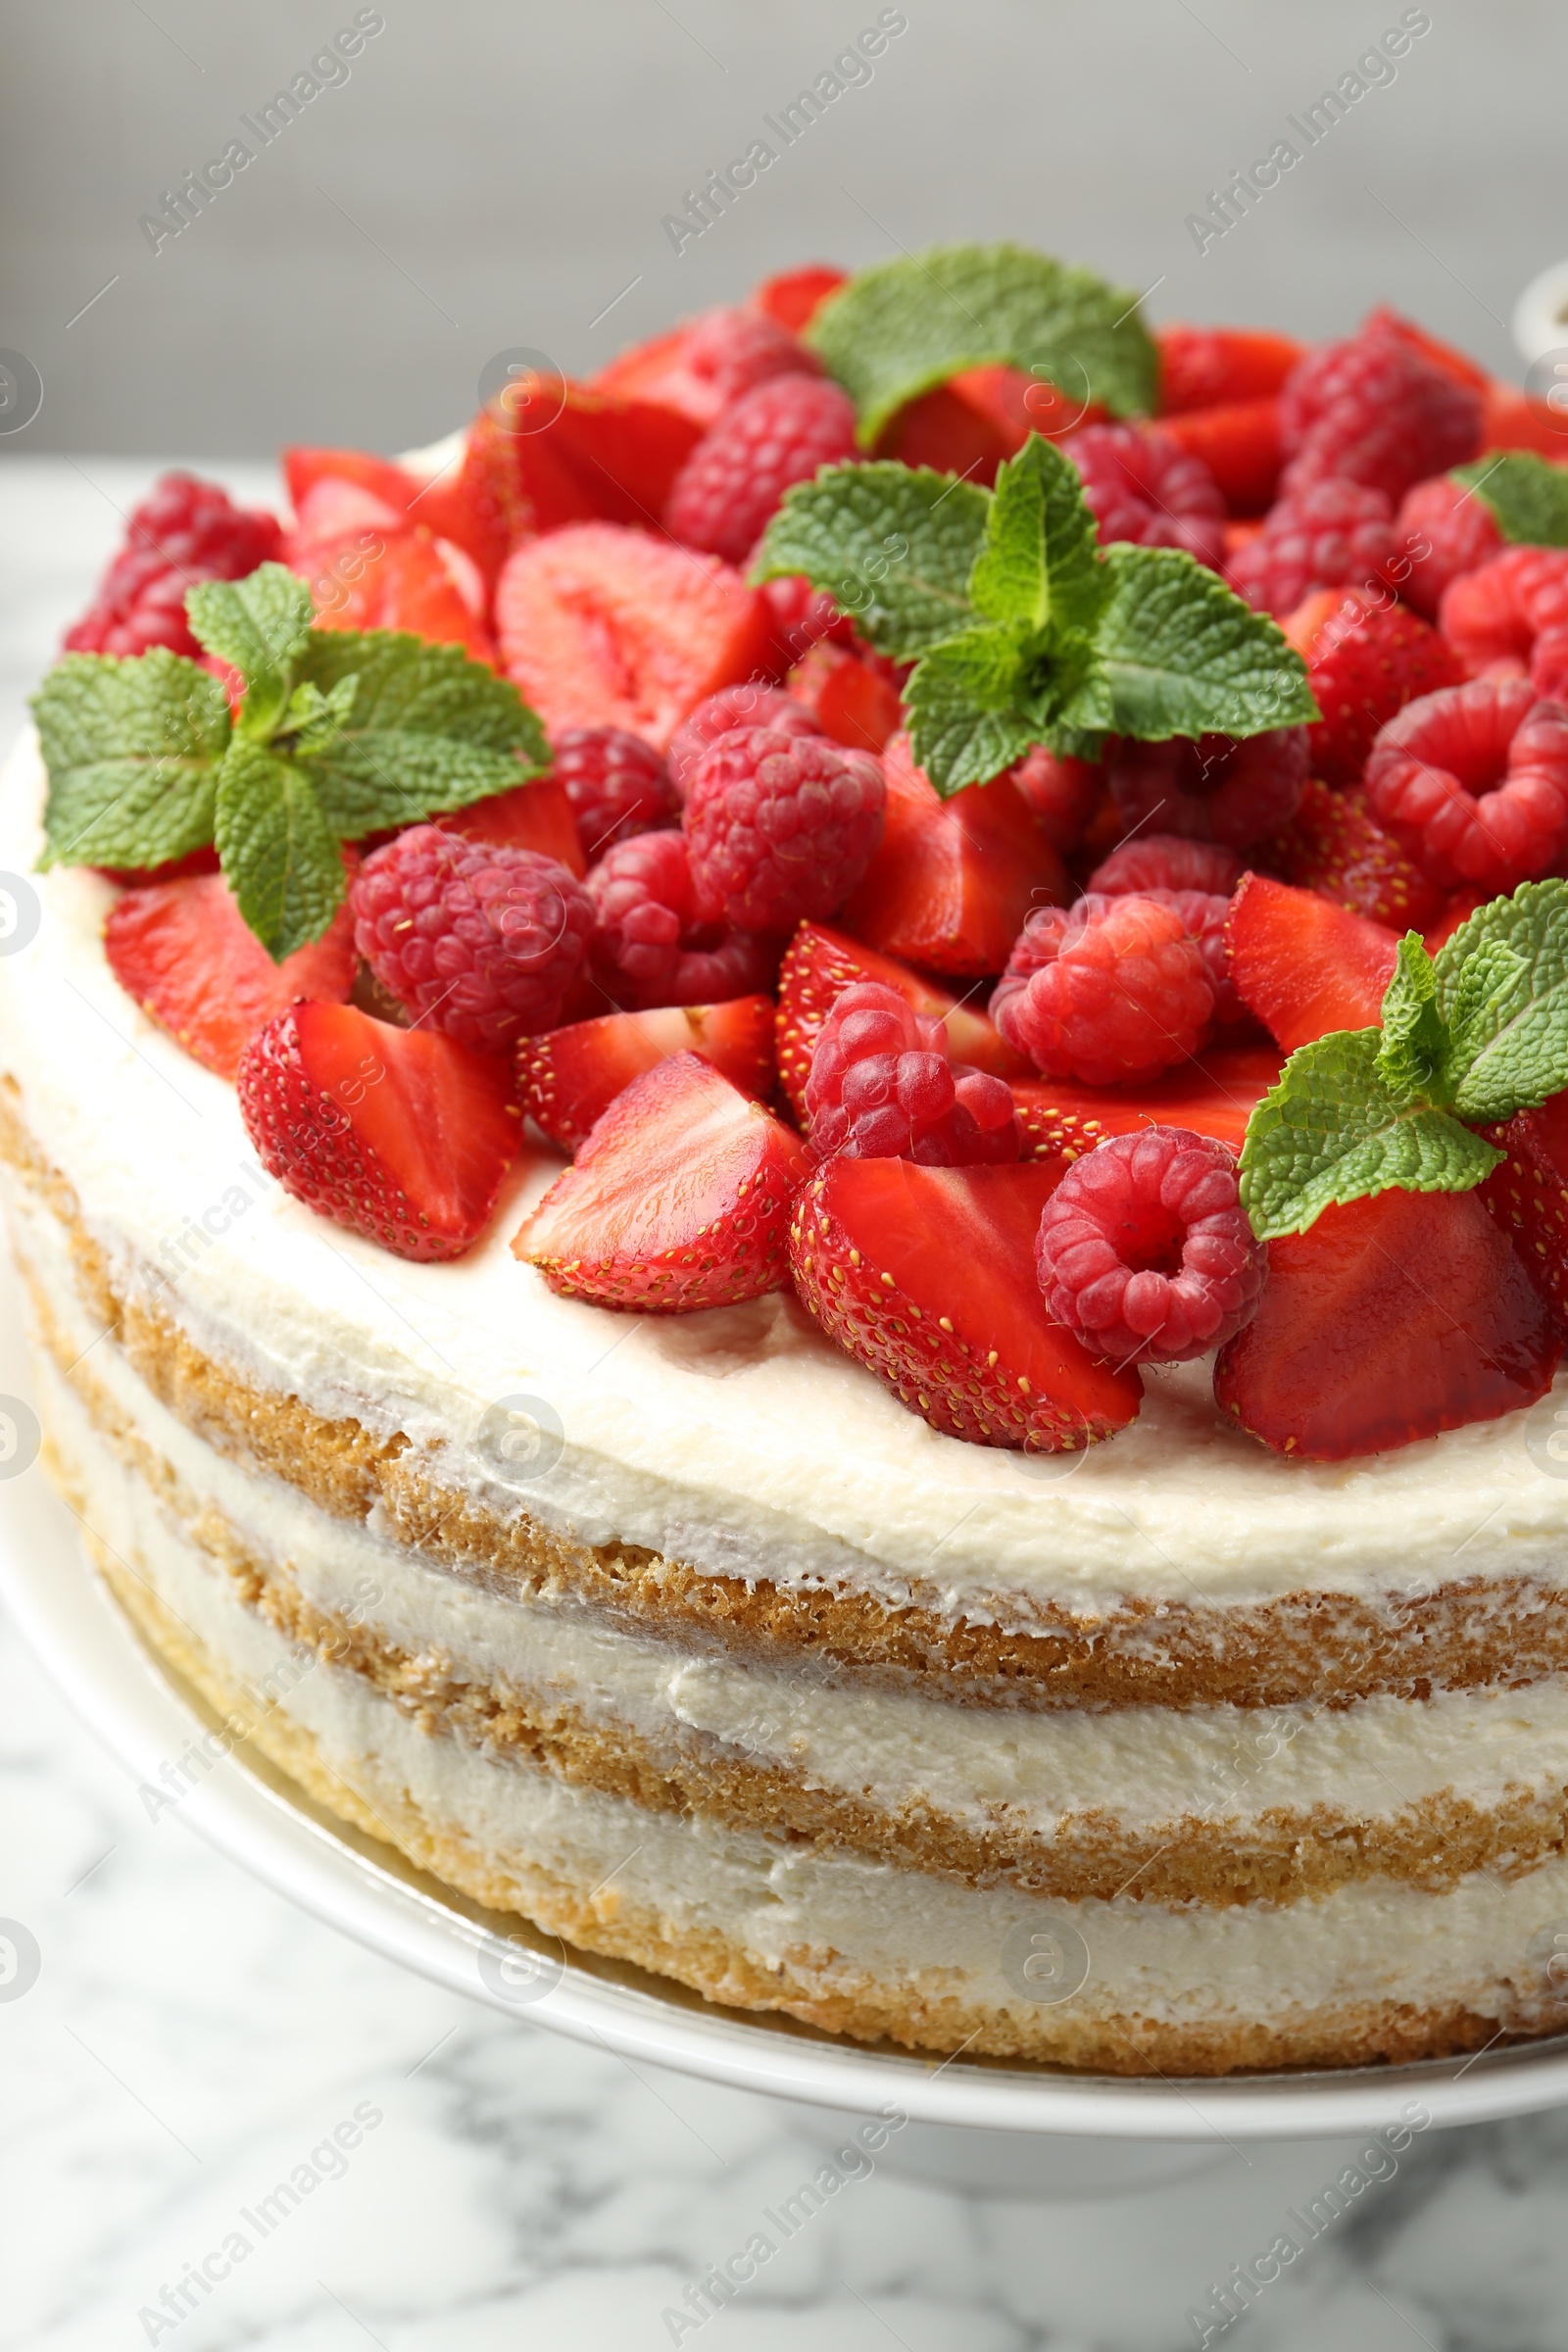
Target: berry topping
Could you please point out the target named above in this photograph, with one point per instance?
(184, 531)
(651, 947)
(1144, 1251)
(1327, 534)
(850, 697)
(737, 349)
(1528, 1195)
(1474, 783)
(780, 827)
(536, 815)
(482, 942)
(1213, 789)
(1062, 795)
(1443, 530)
(402, 1135)
(567, 1078)
(1334, 845)
(1107, 991)
(402, 579)
(1214, 1097)
(926, 1277)
(617, 785)
(1144, 487)
(801, 617)
(1366, 657)
(883, 1088)
(1375, 410)
(1492, 617)
(679, 1199)
(819, 964)
(1239, 445)
(1388, 1319)
(1203, 367)
(1304, 966)
(745, 705)
(1166, 861)
(776, 435)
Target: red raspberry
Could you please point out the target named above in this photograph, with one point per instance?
(651, 948)
(1166, 861)
(1330, 534)
(1204, 916)
(1442, 531)
(1145, 1250)
(617, 785)
(781, 827)
(1548, 665)
(1107, 991)
(1373, 410)
(185, 531)
(882, 1088)
(1474, 783)
(481, 942)
(747, 705)
(1215, 789)
(735, 351)
(1143, 486)
(772, 437)
(1063, 794)
(1492, 617)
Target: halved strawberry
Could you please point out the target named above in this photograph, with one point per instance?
(1209, 367)
(1304, 966)
(1215, 1094)
(979, 416)
(1334, 844)
(330, 509)
(568, 1078)
(183, 949)
(1366, 657)
(1388, 1320)
(1240, 443)
(1528, 1195)
(679, 1199)
(849, 700)
(601, 626)
(536, 815)
(306, 469)
(1511, 419)
(1455, 914)
(479, 504)
(624, 453)
(391, 580)
(402, 1135)
(819, 964)
(794, 297)
(926, 1276)
(952, 880)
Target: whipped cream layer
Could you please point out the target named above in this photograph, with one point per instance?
(737, 1441)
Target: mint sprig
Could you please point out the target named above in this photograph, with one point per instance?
(1024, 629)
(339, 733)
(1467, 1039)
(894, 331)
(1528, 494)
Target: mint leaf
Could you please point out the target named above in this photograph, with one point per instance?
(407, 685)
(1503, 985)
(1040, 560)
(894, 544)
(133, 748)
(964, 700)
(313, 720)
(1528, 494)
(1183, 655)
(381, 776)
(1333, 1131)
(258, 626)
(895, 331)
(279, 855)
(1414, 1056)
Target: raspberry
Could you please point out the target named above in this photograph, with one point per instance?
(778, 434)
(781, 827)
(745, 705)
(882, 1088)
(1143, 486)
(1443, 531)
(1106, 991)
(1145, 1250)
(481, 942)
(185, 531)
(1548, 665)
(1062, 794)
(735, 351)
(1331, 535)
(1204, 916)
(1215, 789)
(650, 947)
(1492, 617)
(1474, 783)
(1374, 411)
(617, 785)
(1166, 861)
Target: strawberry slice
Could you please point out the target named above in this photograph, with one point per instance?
(479, 504)
(391, 580)
(1528, 1195)
(625, 454)
(601, 626)
(1240, 443)
(183, 949)
(332, 509)
(1511, 419)
(794, 297)
(679, 1199)
(402, 1135)
(851, 702)
(819, 964)
(1304, 966)
(1388, 1320)
(536, 815)
(568, 1078)
(1215, 1096)
(305, 471)
(926, 1276)
(979, 416)
(952, 880)
(1209, 367)
(1334, 844)
(1366, 658)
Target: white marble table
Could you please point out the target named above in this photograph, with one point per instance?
(190, 2040)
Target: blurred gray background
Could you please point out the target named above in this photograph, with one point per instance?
(495, 173)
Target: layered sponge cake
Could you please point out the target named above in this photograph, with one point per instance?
(1053, 1547)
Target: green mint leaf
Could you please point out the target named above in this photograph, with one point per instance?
(133, 748)
(416, 687)
(895, 331)
(1528, 494)
(1413, 1060)
(1332, 1131)
(1040, 563)
(259, 627)
(1503, 985)
(279, 855)
(313, 720)
(964, 700)
(1183, 655)
(893, 545)
(378, 776)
